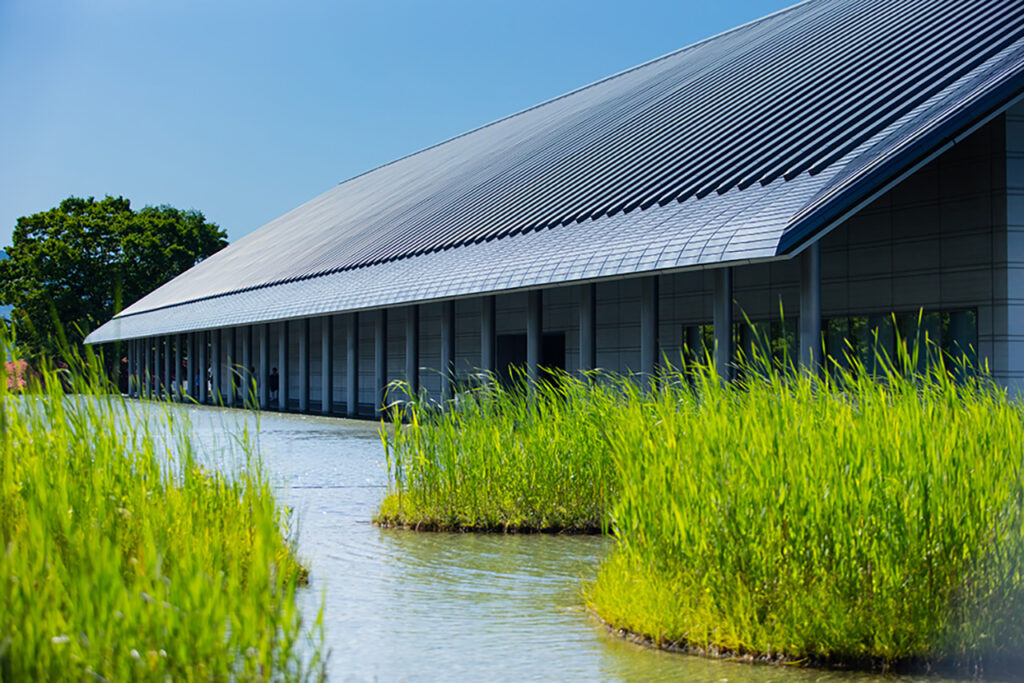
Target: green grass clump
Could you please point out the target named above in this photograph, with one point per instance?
(845, 519)
(120, 562)
(850, 521)
(502, 460)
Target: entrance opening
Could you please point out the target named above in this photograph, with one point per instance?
(510, 355)
(552, 351)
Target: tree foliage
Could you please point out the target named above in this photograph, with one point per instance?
(75, 266)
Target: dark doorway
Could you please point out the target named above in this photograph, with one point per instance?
(552, 351)
(510, 353)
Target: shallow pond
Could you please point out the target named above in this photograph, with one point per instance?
(401, 605)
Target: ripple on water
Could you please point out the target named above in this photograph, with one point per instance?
(402, 605)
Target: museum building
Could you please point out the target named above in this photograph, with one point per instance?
(829, 179)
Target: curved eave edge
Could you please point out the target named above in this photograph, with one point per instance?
(827, 212)
(112, 324)
(112, 333)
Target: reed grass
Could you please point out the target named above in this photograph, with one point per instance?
(845, 520)
(858, 518)
(123, 558)
(502, 459)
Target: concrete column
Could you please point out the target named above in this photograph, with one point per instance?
(282, 367)
(152, 366)
(810, 307)
(226, 363)
(137, 368)
(148, 372)
(246, 373)
(168, 360)
(447, 350)
(352, 401)
(534, 335)
(169, 371)
(163, 344)
(140, 367)
(178, 374)
(202, 367)
(304, 365)
(131, 360)
(137, 386)
(487, 334)
(133, 367)
(327, 365)
(216, 368)
(213, 368)
(167, 364)
(262, 381)
(723, 322)
(217, 365)
(166, 351)
(143, 367)
(144, 373)
(159, 369)
(412, 350)
(588, 326)
(165, 347)
(380, 360)
(648, 329)
(193, 364)
(128, 371)
(155, 373)
(139, 362)
(237, 390)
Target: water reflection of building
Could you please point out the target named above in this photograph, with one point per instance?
(840, 161)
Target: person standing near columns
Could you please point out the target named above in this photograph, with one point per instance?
(274, 384)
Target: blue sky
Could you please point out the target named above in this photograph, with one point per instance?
(244, 110)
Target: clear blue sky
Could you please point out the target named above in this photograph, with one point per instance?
(244, 110)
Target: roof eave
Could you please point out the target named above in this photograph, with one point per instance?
(890, 172)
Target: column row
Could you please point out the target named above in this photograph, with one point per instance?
(202, 366)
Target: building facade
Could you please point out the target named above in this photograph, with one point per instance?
(643, 217)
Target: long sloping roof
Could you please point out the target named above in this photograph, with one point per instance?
(740, 147)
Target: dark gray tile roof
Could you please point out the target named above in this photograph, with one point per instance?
(742, 146)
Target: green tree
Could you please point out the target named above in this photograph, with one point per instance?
(75, 266)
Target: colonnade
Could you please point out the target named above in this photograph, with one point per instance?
(224, 380)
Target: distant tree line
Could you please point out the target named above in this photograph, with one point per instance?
(73, 267)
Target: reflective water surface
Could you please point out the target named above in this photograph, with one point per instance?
(401, 605)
